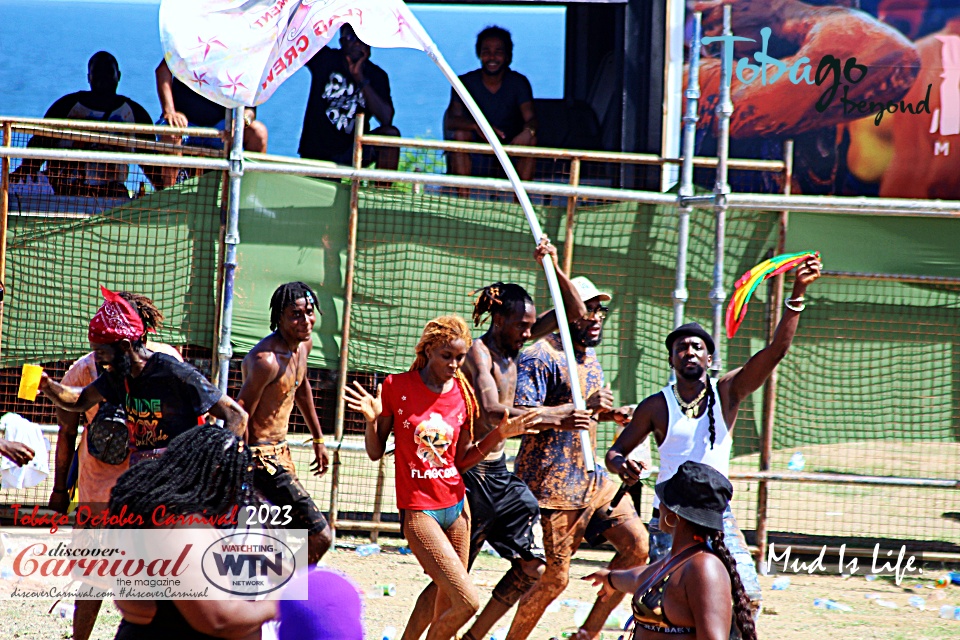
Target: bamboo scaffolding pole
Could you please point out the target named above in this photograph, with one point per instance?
(770, 387)
(568, 154)
(4, 210)
(343, 368)
(120, 141)
(95, 125)
(570, 220)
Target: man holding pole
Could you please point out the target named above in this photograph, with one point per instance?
(574, 499)
(693, 419)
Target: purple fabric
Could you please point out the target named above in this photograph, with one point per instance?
(332, 610)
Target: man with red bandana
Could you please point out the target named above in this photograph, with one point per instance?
(162, 397)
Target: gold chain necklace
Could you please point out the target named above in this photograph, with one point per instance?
(690, 408)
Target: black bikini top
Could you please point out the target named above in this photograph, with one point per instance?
(648, 601)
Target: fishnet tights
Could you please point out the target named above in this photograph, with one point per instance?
(443, 555)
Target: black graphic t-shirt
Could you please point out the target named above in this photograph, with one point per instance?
(165, 400)
(502, 109)
(335, 98)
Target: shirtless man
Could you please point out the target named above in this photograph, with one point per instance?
(274, 379)
(503, 510)
(693, 419)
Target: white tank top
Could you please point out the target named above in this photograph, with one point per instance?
(689, 439)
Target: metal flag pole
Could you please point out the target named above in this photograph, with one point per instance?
(231, 239)
(721, 190)
(690, 118)
(575, 391)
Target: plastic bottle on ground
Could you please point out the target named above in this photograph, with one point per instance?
(830, 605)
(581, 613)
(618, 617)
(63, 610)
(368, 550)
(886, 604)
(797, 462)
(386, 589)
(950, 612)
(955, 577)
(781, 583)
(388, 633)
(870, 577)
(499, 634)
(917, 602)
(405, 551)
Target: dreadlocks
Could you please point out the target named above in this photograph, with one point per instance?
(206, 470)
(287, 295)
(151, 316)
(441, 331)
(499, 299)
(711, 400)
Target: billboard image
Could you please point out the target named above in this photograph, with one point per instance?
(869, 91)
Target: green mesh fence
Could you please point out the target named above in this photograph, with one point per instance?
(870, 386)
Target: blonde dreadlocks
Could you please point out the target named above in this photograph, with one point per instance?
(444, 330)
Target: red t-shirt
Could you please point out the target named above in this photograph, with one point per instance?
(426, 426)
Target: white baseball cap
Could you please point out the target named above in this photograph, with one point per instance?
(587, 290)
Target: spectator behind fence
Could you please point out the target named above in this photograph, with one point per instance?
(101, 103)
(505, 98)
(181, 106)
(343, 82)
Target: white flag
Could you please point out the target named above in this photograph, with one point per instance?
(237, 52)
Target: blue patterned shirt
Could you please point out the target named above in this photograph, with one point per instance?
(551, 462)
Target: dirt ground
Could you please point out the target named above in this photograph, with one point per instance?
(788, 614)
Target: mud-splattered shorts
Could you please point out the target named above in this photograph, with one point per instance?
(275, 477)
(504, 512)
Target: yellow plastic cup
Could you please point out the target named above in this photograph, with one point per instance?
(30, 382)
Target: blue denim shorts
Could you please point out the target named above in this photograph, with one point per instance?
(661, 542)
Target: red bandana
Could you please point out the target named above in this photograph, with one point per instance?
(115, 320)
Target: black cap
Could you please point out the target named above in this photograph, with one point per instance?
(697, 493)
(690, 329)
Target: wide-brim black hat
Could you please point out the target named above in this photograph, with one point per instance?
(697, 493)
(690, 329)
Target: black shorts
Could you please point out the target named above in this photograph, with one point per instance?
(274, 477)
(503, 513)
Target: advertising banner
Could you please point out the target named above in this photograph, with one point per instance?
(869, 91)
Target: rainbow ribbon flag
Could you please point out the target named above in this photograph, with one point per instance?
(748, 283)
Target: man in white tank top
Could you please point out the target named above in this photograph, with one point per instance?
(694, 418)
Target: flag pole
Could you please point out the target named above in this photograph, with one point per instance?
(552, 283)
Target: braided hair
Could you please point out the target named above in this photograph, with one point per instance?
(444, 330)
(711, 400)
(205, 470)
(741, 602)
(287, 295)
(499, 299)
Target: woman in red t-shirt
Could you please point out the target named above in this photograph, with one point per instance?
(426, 408)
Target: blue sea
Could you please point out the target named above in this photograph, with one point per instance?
(44, 48)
